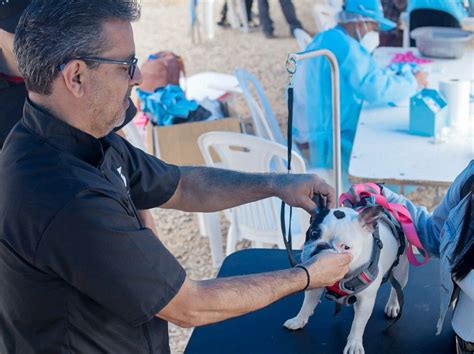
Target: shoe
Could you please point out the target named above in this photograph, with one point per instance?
(223, 24)
(269, 35)
(253, 24)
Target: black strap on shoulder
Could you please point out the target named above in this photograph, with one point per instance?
(288, 241)
(401, 300)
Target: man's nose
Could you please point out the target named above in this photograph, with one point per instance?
(137, 78)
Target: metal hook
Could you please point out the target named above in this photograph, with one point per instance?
(291, 64)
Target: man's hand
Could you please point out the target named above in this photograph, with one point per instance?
(422, 79)
(298, 190)
(327, 268)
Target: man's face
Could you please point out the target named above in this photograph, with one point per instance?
(111, 85)
(365, 27)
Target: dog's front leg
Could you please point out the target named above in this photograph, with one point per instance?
(400, 273)
(362, 311)
(311, 299)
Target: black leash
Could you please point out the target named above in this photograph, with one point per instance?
(288, 240)
(320, 201)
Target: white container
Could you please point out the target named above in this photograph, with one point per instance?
(456, 93)
(441, 42)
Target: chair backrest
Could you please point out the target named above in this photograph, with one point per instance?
(264, 121)
(324, 16)
(302, 37)
(258, 221)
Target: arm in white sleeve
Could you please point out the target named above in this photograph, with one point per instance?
(375, 84)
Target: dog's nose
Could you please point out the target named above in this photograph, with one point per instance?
(321, 247)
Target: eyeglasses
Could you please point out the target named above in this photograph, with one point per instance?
(132, 63)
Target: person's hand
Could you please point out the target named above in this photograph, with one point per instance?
(327, 268)
(422, 79)
(298, 190)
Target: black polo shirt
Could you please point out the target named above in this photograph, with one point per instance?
(79, 272)
(12, 98)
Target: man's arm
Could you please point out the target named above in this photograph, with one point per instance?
(202, 302)
(208, 189)
(373, 83)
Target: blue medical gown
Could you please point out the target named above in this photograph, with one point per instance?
(453, 7)
(361, 79)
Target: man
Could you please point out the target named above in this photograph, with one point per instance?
(266, 22)
(352, 42)
(79, 271)
(12, 87)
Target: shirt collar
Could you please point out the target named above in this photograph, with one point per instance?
(61, 135)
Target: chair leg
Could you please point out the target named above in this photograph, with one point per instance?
(232, 239)
(209, 225)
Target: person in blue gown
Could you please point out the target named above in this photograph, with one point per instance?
(361, 79)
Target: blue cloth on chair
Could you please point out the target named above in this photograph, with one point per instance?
(166, 104)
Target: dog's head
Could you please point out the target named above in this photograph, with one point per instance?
(341, 230)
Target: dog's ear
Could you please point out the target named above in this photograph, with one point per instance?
(369, 216)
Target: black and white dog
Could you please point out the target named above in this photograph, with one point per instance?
(376, 252)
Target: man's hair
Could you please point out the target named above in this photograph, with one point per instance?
(51, 32)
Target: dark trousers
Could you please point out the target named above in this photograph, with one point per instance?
(248, 6)
(288, 11)
(427, 17)
(463, 347)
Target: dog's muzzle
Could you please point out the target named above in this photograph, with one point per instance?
(321, 247)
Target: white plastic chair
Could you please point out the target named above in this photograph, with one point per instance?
(133, 136)
(263, 118)
(257, 221)
(212, 85)
(302, 37)
(206, 17)
(325, 16)
(237, 10)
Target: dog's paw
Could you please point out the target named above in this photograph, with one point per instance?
(295, 323)
(392, 309)
(354, 346)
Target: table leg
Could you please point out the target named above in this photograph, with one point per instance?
(243, 16)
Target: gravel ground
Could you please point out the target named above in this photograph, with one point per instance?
(164, 26)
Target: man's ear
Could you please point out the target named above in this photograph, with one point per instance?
(369, 216)
(74, 74)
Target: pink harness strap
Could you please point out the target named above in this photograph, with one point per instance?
(398, 211)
